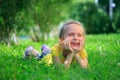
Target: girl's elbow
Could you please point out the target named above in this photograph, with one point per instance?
(84, 66)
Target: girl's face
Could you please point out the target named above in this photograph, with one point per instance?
(74, 33)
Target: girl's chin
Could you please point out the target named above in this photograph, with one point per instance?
(76, 48)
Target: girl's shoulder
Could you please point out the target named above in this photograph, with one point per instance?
(83, 53)
(83, 50)
(56, 47)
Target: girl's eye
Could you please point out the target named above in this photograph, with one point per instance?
(70, 34)
(79, 35)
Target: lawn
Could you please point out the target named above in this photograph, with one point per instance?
(103, 55)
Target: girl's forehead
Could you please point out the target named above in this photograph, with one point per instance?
(73, 27)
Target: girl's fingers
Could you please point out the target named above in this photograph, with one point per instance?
(79, 45)
(66, 44)
(70, 46)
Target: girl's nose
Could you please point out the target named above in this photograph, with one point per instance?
(75, 37)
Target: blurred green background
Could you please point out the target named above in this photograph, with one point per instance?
(39, 19)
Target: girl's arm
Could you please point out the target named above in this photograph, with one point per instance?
(56, 60)
(82, 62)
(68, 60)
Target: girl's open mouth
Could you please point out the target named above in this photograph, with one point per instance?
(75, 44)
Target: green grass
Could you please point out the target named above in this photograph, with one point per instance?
(103, 55)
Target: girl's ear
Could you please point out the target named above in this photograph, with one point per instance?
(60, 41)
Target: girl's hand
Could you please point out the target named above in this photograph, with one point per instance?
(67, 45)
(82, 62)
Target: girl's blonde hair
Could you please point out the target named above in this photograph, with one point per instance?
(63, 26)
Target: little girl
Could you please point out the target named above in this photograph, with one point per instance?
(45, 57)
(71, 45)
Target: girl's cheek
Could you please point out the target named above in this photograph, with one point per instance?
(82, 41)
(82, 38)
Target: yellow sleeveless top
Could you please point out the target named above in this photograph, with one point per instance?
(56, 50)
(46, 59)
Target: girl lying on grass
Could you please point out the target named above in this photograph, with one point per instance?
(71, 45)
(69, 48)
